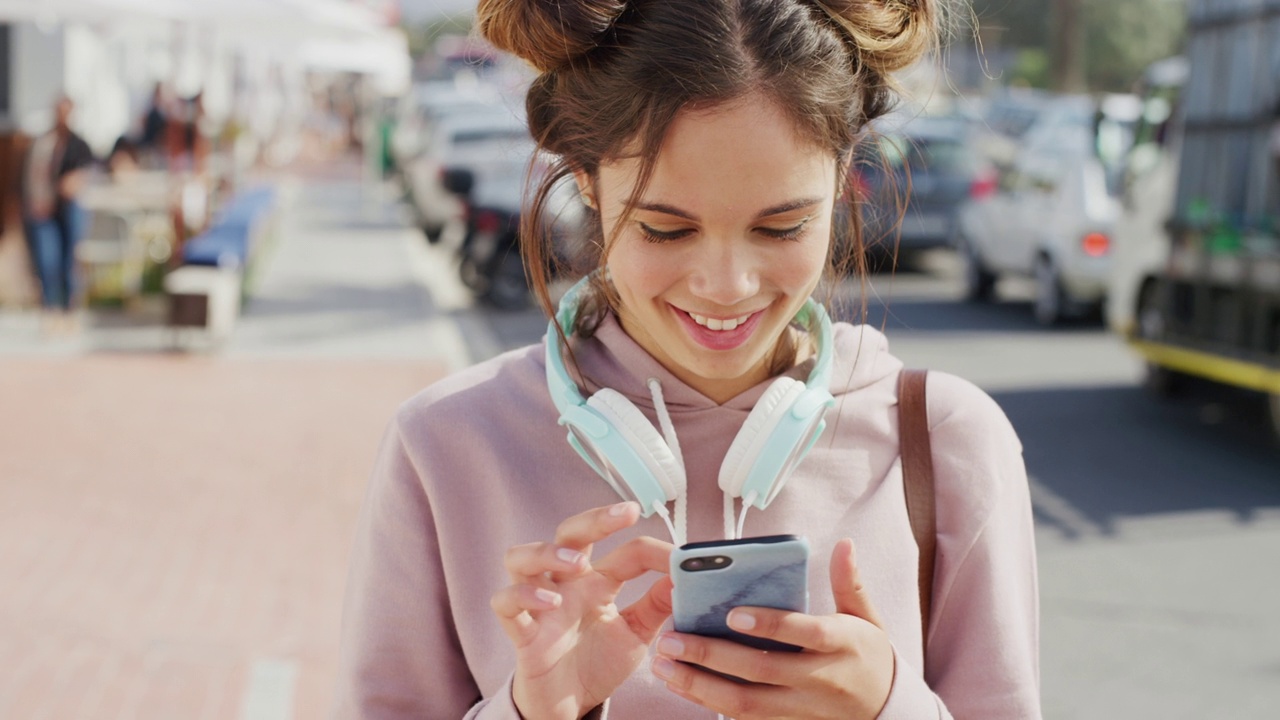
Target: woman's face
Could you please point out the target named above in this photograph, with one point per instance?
(727, 242)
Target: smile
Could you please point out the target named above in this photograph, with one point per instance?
(718, 324)
(719, 333)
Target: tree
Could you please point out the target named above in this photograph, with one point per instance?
(1116, 39)
(423, 35)
(1123, 38)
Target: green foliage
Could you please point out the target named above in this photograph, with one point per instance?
(1123, 38)
(1030, 69)
(1014, 23)
(423, 36)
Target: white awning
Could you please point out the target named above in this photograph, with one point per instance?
(383, 55)
(332, 35)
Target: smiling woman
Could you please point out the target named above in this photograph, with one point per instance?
(711, 266)
(691, 367)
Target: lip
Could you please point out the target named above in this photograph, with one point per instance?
(719, 339)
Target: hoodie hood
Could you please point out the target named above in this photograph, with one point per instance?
(611, 358)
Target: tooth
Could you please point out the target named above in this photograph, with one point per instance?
(698, 319)
(730, 324)
(715, 324)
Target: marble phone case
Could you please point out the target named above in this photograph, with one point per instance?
(770, 571)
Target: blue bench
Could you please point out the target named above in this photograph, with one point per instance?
(230, 239)
(205, 291)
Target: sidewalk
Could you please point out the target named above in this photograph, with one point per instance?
(174, 527)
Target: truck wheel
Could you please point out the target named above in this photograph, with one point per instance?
(1273, 405)
(1051, 301)
(1159, 380)
(979, 282)
(1163, 382)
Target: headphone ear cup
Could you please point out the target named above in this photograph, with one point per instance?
(753, 438)
(645, 440)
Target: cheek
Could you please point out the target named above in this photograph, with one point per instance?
(639, 269)
(802, 263)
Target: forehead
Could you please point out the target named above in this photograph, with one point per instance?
(743, 155)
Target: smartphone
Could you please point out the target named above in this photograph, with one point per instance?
(712, 578)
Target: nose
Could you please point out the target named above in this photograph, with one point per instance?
(724, 273)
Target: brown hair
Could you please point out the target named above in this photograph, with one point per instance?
(614, 74)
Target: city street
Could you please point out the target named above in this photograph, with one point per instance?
(174, 526)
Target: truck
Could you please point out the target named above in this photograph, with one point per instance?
(1196, 289)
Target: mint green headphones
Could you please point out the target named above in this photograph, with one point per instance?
(623, 447)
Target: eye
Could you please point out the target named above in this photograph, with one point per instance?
(661, 236)
(791, 233)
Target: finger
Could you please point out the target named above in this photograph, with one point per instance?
(635, 558)
(817, 633)
(768, 667)
(584, 529)
(647, 615)
(851, 596)
(514, 606)
(726, 697)
(524, 562)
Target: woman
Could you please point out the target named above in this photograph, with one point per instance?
(496, 575)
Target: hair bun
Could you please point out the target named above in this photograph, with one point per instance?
(546, 33)
(889, 34)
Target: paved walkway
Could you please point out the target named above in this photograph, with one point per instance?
(174, 527)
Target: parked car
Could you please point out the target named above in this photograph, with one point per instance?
(494, 193)
(1053, 214)
(429, 102)
(459, 140)
(926, 166)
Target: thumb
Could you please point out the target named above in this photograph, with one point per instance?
(846, 585)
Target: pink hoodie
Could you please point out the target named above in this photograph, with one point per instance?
(477, 463)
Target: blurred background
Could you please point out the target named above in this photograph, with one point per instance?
(290, 215)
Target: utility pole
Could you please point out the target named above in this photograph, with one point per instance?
(1066, 34)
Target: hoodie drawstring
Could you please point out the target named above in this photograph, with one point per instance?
(679, 531)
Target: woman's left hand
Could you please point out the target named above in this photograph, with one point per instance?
(845, 671)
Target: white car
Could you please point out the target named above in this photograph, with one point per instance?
(459, 141)
(1052, 217)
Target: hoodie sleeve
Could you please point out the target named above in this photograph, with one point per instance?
(982, 660)
(400, 656)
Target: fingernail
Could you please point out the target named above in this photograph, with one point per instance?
(741, 620)
(670, 646)
(547, 596)
(664, 668)
(573, 557)
(620, 508)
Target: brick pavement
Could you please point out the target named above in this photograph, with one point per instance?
(174, 528)
(168, 524)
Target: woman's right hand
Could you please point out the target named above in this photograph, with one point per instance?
(573, 646)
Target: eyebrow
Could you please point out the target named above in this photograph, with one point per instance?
(785, 207)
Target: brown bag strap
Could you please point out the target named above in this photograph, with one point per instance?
(917, 480)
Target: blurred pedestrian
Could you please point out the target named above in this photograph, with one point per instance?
(52, 180)
(496, 575)
(155, 122)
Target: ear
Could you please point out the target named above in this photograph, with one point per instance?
(586, 188)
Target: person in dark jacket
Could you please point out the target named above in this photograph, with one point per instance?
(53, 220)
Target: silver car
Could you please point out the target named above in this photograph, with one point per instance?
(1053, 215)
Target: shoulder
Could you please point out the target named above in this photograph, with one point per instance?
(960, 409)
(490, 394)
(976, 452)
